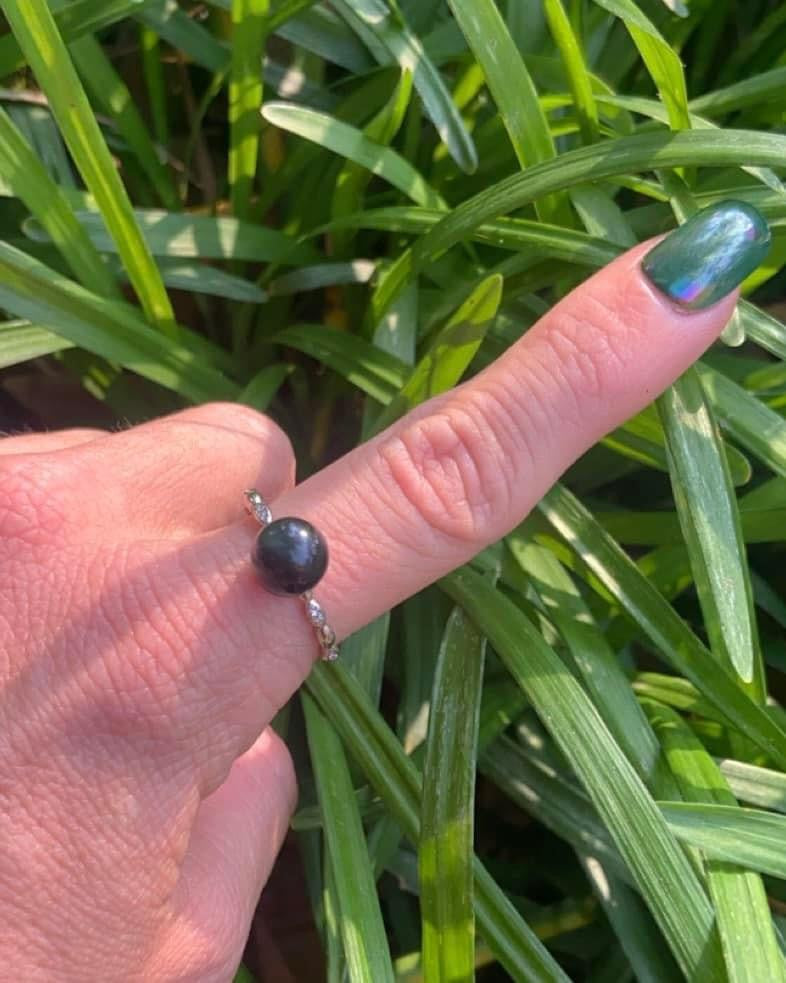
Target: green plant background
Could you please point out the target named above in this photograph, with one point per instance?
(332, 211)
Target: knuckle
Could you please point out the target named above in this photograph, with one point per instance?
(449, 468)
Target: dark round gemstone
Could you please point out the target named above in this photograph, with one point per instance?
(290, 556)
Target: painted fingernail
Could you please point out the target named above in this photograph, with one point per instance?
(708, 256)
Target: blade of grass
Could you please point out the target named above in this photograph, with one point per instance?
(195, 236)
(150, 49)
(623, 155)
(451, 352)
(658, 620)
(377, 373)
(710, 521)
(73, 20)
(661, 60)
(751, 838)
(761, 787)
(249, 32)
(386, 33)
(662, 872)
(29, 180)
(397, 781)
(445, 849)
(750, 949)
(348, 141)
(21, 341)
(113, 330)
(36, 31)
(511, 87)
(360, 920)
(111, 94)
(575, 68)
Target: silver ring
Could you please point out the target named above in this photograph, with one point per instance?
(326, 637)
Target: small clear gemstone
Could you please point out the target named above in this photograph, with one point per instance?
(327, 636)
(259, 507)
(332, 654)
(316, 613)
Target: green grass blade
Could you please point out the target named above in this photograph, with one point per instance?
(21, 341)
(662, 61)
(107, 328)
(710, 521)
(262, 388)
(511, 86)
(29, 180)
(750, 949)
(624, 155)
(447, 827)
(349, 142)
(377, 373)
(37, 34)
(448, 357)
(759, 429)
(150, 49)
(185, 34)
(758, 786)
(385, 31)
(111, 94)
(658, 620)
(201, 237)
(397, 781)
(362, 929)
(592, 654)
(663, 875)
(751, 838)
(575, 68)
(638, 934)
(73, 20)
(249, 32)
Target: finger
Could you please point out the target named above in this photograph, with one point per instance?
(38, 443)
(238, 833)
(179, 475)
(430, 492)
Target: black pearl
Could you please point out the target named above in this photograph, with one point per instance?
(290, 556)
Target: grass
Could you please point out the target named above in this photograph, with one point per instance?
(333, 211)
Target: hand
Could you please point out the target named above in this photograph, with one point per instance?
(143, 795)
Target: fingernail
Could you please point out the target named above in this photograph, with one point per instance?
(710, 255)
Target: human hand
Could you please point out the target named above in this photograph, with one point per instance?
(144, 796)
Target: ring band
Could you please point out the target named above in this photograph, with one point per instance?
(277, 544)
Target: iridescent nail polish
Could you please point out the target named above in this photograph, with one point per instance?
(711, 254)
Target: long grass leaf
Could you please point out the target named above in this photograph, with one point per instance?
(751, 838)
(29, 180)
(389, 35)
(37, 34)
(107, 328)
(360, 920)
(707, 507)
(249, 31)
(658, 620)
(663, 875)
(397, 781)
(744, 922)
(447, 828)
(510, 84)
(353, 144)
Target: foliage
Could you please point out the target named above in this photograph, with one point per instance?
(331, 211)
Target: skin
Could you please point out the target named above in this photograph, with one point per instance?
(143, 797)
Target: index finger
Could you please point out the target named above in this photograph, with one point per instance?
(463, 469)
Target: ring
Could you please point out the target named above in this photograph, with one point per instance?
(290, 557)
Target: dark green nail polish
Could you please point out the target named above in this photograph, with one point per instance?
(709, 255)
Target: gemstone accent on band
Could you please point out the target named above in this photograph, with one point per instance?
(261, 511)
